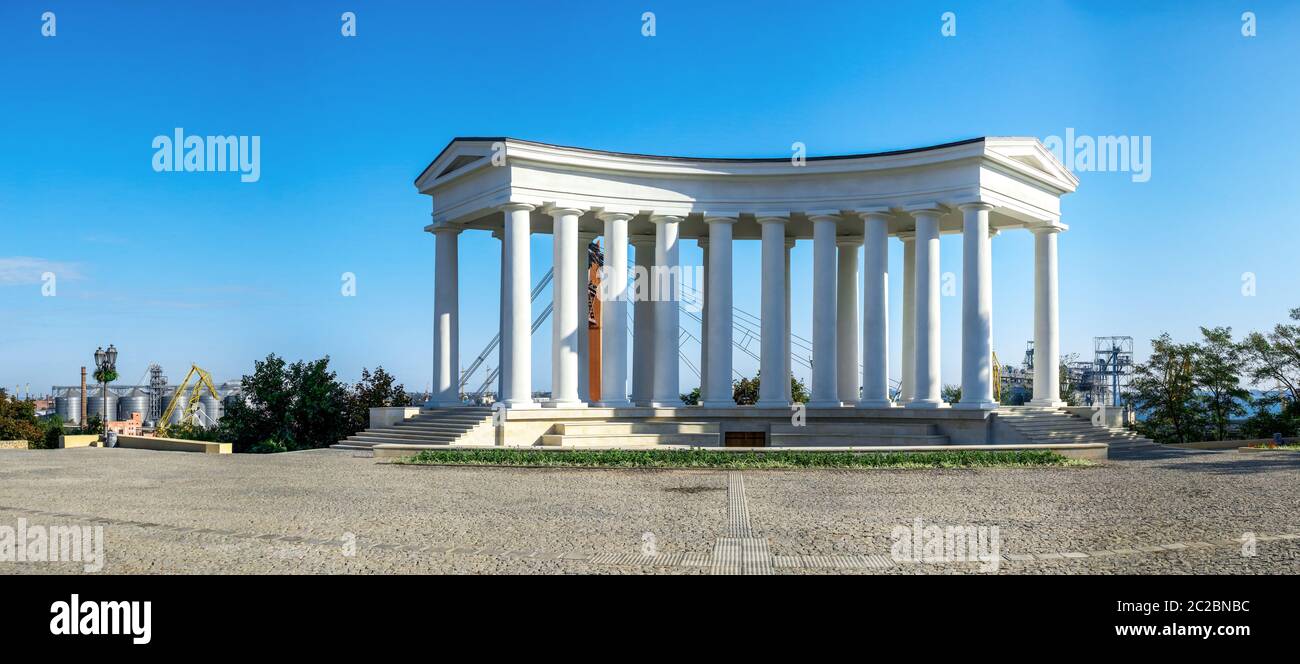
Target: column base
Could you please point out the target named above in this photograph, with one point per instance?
(824, 404)
(667, 404)
(613, 404)
(1046, 403)
(718, 404)
(778, 403)
(976, 405)
(927, 403)
(876, 403)
(554, 403)
(519, 404)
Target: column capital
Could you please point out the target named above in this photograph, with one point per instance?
(848, 241)
(906, 236)
(614, 216)
(874, 213)
(554, 212)
(925, 210)
(833, 217)
(438, 229)
(665, 219)
(772, 218)
(975, 205)
(511, 207)
(720, 219)
(1038, 230)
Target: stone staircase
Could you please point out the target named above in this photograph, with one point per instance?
(1053, 426)
(434, 426)
(855, 434)
(633, 434)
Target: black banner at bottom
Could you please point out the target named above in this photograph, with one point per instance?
(258, 614)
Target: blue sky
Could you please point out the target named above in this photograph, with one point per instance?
(177, 268)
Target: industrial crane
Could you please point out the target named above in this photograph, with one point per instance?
(202, 380)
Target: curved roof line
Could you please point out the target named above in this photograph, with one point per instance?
(736, 160)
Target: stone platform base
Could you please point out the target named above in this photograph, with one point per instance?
(1088, 451)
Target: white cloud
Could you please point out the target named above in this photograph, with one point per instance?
(22, 270)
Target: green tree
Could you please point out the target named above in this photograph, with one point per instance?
(53, 427)
(374, 390)
(1217, 370)
(1164, 388)
(745, 391)
(1069, 390)
(18, 420)
(691, 398)
(1273, 362)
(951, 393)
(299, 406)
(1274, 359)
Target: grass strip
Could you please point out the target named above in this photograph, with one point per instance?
(705, 458)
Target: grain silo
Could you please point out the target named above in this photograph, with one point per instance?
(212, 409)
(95, 404)
(67, 405)
(135, 401)
(181, 400)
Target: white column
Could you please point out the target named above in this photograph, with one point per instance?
(667, 312)
(584, 331)
(907, 390)
(613, 313)
(1047, 342)
(785, 354)
(643, 322)
(772, 366)
(564, 317)
(719, 299)
(928, 377)
(875, 310)
(516, 312)
(976, 309)
(704, 320)
(825, 384)
(503, 353)
(446, 319)
(846, 320)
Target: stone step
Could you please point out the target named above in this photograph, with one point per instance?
(853, 439)
(389, 433)
(371, 442)
(406, 434)
(862, 430)
(433, 426)
(630, 440)
(1063, 426)
(624, 428)
(458, 421)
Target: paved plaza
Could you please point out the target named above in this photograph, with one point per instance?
(331, 511)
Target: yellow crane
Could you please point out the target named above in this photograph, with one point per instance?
(997, 379)
(202, 379)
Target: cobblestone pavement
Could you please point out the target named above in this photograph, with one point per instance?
(330, 511)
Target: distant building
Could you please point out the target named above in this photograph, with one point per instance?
(131, 427)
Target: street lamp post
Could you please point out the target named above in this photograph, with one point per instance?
(106, 372)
